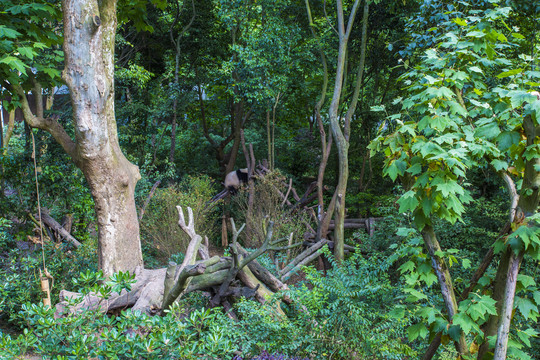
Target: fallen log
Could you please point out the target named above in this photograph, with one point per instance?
(57, 228)
(155, 290)
(300, 260)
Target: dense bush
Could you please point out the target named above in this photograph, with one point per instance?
(159, 226)
(19, 271)
(202, 334)
(343, 315)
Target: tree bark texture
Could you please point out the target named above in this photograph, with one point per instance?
(90, 28)
(445, 281)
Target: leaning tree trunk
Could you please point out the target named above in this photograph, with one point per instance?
(89, 33)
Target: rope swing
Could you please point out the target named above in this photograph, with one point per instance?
(44, 275)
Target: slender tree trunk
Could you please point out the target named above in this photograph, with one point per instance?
(445, 281)
(269, 139)
(176, 43)
(341, 136)
(322, 216)
(238, 110)
(173, 133)
(505, 281)
(9, 131)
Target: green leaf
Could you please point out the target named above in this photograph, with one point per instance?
(455, 332)
(460, 22)
(508, 138)
(8, 33)
(415, 295)
(15, 63)
(520, 96)
(415, 169)
(509, 73)
(499, 165)
(526, 280)
(408, 201)
(476, 69)
(397, 313)
(525, 306)
(396, 168)
(536, 297)
(488, 131)
(464, 321)
(417, 330)
(449, 187)
(26, 51)
(409, 266)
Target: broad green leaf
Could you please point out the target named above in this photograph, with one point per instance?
(448, 187)
(408, 201)
(409, 266)
(488, 131)
(27, 52)
(417, 331)
(476, 34)
(455, 332)
(464, 321)
(460, 22)
(509, 73)
(415, 169)
(397, 313)
(8, 33)
(15, 63)
(526, 280)
(415, 295)
(396, 168)
(525, 306)
(536, 297)
(508, 138)
(499, 165)
(476, 69)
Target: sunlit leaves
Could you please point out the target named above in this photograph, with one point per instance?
(28, 35)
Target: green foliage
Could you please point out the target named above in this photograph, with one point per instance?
(63, 188)
(29, 39)
(20, 275)
(159, 226)
(342, 315)
(459, 114)
(201, 334)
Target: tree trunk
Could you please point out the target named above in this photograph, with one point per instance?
(341, 137)
(445, 281)
(505, 281)
(90, 28)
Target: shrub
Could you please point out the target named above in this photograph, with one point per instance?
(202, 334)
(159, 226)
(344, 315)
(268, 206)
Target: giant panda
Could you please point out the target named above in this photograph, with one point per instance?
(234, 179)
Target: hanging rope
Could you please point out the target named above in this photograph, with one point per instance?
(45, 275)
